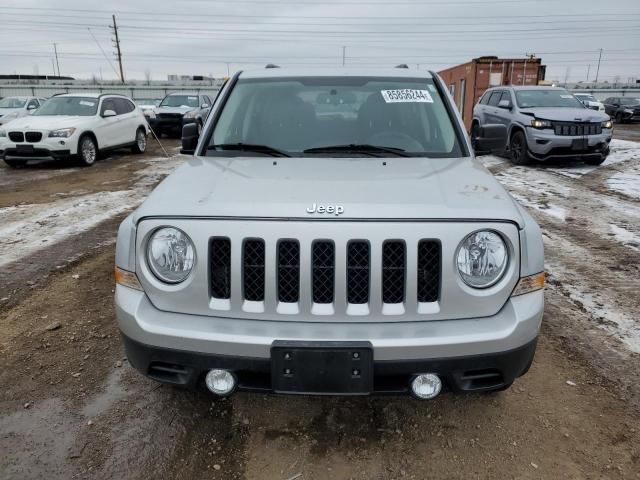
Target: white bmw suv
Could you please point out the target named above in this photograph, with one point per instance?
(74, 125)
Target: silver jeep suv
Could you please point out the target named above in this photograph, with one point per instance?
(544, 123)
(332, 234)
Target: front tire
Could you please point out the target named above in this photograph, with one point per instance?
(141, 142)
(16, 163)
(619, 118)
(475, 133)
(88, 151)
(519, 149)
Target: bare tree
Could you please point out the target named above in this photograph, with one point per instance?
(147, 76)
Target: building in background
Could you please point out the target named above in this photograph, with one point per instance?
(467, 82)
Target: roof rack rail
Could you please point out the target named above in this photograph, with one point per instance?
(402, 65)
(271, 65)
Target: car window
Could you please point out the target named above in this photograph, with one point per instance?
(108, 104)
(548, 97)
(180, 101)
(81, 106)
(485, 98)
(33, 103)
(628, 101)
(123, 106)
(12, 102)
(300, 113)
(496, 95)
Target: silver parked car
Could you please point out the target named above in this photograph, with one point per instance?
(333, 234)
(18, 107)
(544, 123)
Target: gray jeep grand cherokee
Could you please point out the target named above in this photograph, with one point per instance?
(544, 123)
(332, 234)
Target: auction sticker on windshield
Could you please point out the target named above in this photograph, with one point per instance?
(406, 95)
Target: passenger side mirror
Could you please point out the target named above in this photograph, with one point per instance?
(190, 138)
(108, 113)
(205, 105)
(506, 104)
(491, 138)
(31, 107)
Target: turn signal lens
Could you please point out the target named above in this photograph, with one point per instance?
(529, 284)
(127, 279)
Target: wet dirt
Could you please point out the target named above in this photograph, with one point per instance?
(72, 407)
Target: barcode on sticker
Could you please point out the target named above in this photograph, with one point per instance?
(406, 95)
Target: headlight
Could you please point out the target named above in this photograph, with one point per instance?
(62, 133)
(3, 134)
(191, 114)
(170, 255)
(149, 113)
(482, 259)
(628, 110)
(540, 123)
(607, 124)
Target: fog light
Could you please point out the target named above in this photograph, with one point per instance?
(426, 386)
(220, 382)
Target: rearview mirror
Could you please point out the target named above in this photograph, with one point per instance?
(108, 113)
(491, 138)
(205, 105)
(190, 138)
(504, 104)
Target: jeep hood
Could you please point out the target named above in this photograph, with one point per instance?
(564, 114)
(367, 188)
(180, 110)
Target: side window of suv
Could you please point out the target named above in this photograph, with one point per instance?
(33, 104)
(108, 104)
(495, 98)
(123, 106)
(485, 98)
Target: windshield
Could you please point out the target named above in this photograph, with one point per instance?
(82, 106)
(549, 97)
(302, 113)
(12, 102)
(180, 101)
(629, 101)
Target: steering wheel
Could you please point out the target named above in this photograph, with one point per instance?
(397, 140)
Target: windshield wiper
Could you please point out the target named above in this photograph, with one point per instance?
(358, 148)
(247, 147)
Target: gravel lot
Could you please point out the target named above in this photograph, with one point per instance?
(71, 407)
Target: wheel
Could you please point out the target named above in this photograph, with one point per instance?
(199, 127)
(88, 151)
(16, 163)
(518, 149)
(475, 133)
(619, 118)
(141, 141)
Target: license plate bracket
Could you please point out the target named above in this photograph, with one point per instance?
(322, 368)
(24, 148)
(580, 144)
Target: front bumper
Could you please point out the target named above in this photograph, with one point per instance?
(37, 153)
(469, 354)
(545, 145)
(46, 148)
(166, 123)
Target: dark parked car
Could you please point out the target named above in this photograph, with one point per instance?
(178, 109)
(623, 109)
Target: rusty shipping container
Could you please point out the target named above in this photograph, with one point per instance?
(467, 82)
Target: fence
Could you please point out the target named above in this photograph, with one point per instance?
(132, 91)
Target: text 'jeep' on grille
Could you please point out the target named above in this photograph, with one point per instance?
(332, 234)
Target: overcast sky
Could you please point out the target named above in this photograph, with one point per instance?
(205, 37)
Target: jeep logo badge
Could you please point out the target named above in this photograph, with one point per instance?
(318, 208)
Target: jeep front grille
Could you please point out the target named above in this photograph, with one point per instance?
(220, 265)
(357, 270)
(576, 129)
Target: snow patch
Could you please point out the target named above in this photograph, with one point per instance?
(626, 237)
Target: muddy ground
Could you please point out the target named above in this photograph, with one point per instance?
(71, 407)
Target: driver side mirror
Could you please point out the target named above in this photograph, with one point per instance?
(506, 104)
(190, 138)
(108, 113)
(491, 138)
(205, 105)
(31, 107)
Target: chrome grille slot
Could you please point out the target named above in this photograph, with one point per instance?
(358, 259)
(220, 265)
(288, 271)
(428, 271)
(253, 270)
(393, 271)
(323, 271)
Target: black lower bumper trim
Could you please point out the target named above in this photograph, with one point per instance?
(35, 154)
(486, 372)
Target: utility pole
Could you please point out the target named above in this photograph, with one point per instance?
(117, 45)
(53, 65)
(55, 50)
(344, 49)
(588, 70)
(598, 70)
